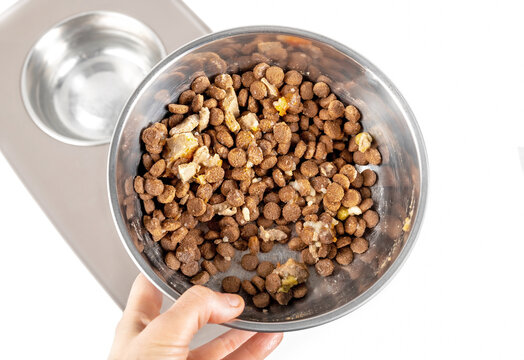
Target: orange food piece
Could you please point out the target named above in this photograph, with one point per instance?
(281, 105)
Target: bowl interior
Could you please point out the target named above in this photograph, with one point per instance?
(79, 75)
(398, 194)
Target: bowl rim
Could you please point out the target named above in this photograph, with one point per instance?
(24, 90)
(295, 324)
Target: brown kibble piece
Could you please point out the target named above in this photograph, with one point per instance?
(324, 267)
(178, 109)
(221, 264)
(334, 193)
(265, 268)
(259, 282)
(273, 283)
(307, 258)
(248, 287)
(371, 218)
(293, 77)
(168, 195)
(261, 300)
(271, 211)
(291, 212)
(344, 256)
(154, 187)
(235, 198)
(209, 267)
(214, 174)
(275, 75)
(249, 262)
(200, 84)
(299, 291)
(208, 250)
(335, 109)
(171, 261)
(226, 250)
(352, 113)
(190, 268)
(158, 168)
(196, 206)
(231, 284)
(359, 245)
(216, 116)
(373, 156)
(309, 168)
(201, 278)
(321, 89)
(351, 198)
(258, 90)
(237, 157)
(283, 298)
(282, 133)
(370, 177)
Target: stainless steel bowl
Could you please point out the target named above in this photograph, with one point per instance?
(80, 73)
(399, 194)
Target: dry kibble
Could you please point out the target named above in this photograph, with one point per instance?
(334, 193)
(273, 282)
(231, 284)
(258, 90)
(209, 267)
(267, 154)
(335, 109)
(196, 206)
(261, 300)
(154, 187)
(291, 212)
(190, 268)
(201, 278)
(221, 263)
(275, 75)
(171, 261)
(235, 198)
(351, 198)
(259, 283)
(293, 77)
(371, 218)
(359, 245)
(248, 287)
(324, 267)
(265, 268)
(321, 89)
(370, 177)
(226, 250)
(282, 133)
(200, 84)
(271, 211)
(352, 113)
(299, 291)
(249, 262)
(237, 157)
(344, 256)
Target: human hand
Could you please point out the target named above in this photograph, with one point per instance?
(144, 333)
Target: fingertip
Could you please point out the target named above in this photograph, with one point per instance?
(235, 301)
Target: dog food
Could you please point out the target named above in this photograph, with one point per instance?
(249, 160)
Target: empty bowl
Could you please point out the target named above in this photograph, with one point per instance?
(78, 76)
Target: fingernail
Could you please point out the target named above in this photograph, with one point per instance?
(233, 300)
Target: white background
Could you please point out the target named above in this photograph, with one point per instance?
(460, 65)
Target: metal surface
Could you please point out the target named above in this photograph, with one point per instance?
(399, 193)
(70, 182)
(79, 75)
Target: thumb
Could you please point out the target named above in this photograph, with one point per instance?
(195, 308)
